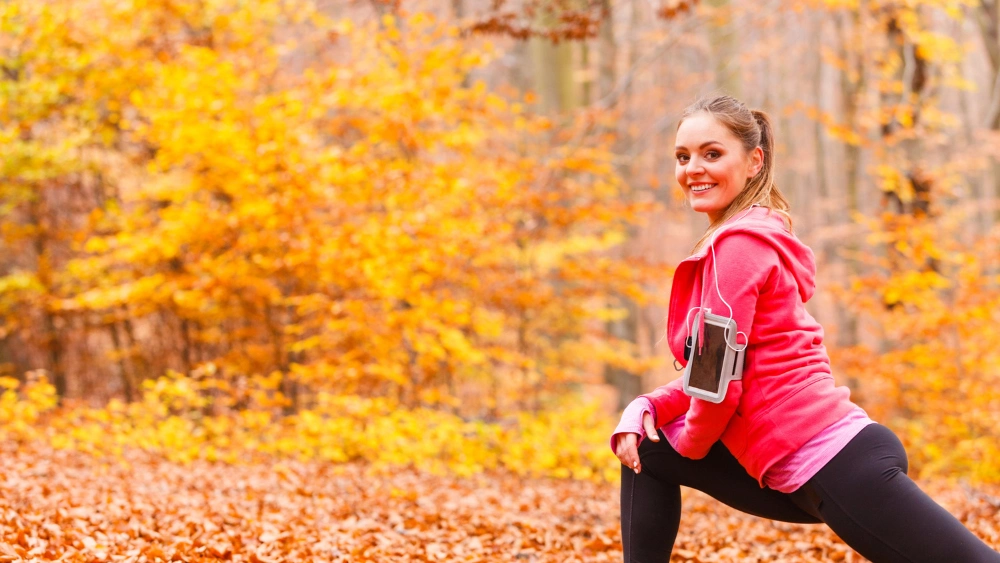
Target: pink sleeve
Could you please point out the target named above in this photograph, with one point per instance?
(746, 263)
(669, 401)
(705, 422)
(632, 419)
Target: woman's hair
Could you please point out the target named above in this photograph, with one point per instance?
(753, 129)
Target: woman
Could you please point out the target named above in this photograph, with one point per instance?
(785, 443)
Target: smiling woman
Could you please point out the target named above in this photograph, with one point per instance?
(784, 442)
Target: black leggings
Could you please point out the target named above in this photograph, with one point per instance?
(863, 494)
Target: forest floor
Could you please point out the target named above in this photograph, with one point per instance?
(57, 505)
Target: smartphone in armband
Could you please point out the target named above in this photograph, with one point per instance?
(707, 375)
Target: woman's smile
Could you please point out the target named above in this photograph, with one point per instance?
(701, 187)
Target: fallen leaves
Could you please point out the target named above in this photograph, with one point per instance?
(68, 506)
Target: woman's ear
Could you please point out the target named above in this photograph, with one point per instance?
(756, 162)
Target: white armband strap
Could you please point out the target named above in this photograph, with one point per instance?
(714, 361)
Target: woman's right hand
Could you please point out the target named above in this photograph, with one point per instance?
(627, 446)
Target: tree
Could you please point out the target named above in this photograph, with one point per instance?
(381, 227)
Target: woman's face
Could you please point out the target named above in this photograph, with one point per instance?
(712, 165)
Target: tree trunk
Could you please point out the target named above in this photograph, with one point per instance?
(847, 321)
(626, 383)
(50, 337)
(987, 16)
(819, 134)
(128, 379)
(722, 38)
(552, 64)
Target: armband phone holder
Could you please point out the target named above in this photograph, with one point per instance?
(716, 361)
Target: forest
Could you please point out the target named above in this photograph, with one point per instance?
(372, 280)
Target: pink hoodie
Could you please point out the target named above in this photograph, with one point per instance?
(787, 394)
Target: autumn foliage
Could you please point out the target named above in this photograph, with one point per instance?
(258, 239)
(170, 422)
(282, 283)
(342, 208)
(934, 301)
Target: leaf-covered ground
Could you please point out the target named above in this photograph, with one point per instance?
(71, 507)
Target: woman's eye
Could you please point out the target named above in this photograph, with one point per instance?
(682, 158)
(712, 154)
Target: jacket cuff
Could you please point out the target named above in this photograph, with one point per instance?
(631, 421)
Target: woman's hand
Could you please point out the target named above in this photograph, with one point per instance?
(627, 444)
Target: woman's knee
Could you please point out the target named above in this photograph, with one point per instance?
(659, 448)
(661, 461)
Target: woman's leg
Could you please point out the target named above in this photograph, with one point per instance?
(864, 495)
(651, 500)
(651, 514)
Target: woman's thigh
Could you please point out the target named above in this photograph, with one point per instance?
(721, 476)
(865, 496)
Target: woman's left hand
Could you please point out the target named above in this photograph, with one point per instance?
(627, 443)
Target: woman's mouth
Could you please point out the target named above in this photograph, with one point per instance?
(701, 187)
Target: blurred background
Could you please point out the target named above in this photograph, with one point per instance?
(232, 228)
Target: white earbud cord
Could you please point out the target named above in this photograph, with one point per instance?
(715, 272)
(689, 324)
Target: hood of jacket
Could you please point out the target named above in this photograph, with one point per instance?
(770, 227)
(796, 258)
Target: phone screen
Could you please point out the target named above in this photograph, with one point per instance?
(706, 368)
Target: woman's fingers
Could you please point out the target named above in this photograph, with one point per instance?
(627, 452)
(621, 449)
(649, 427)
